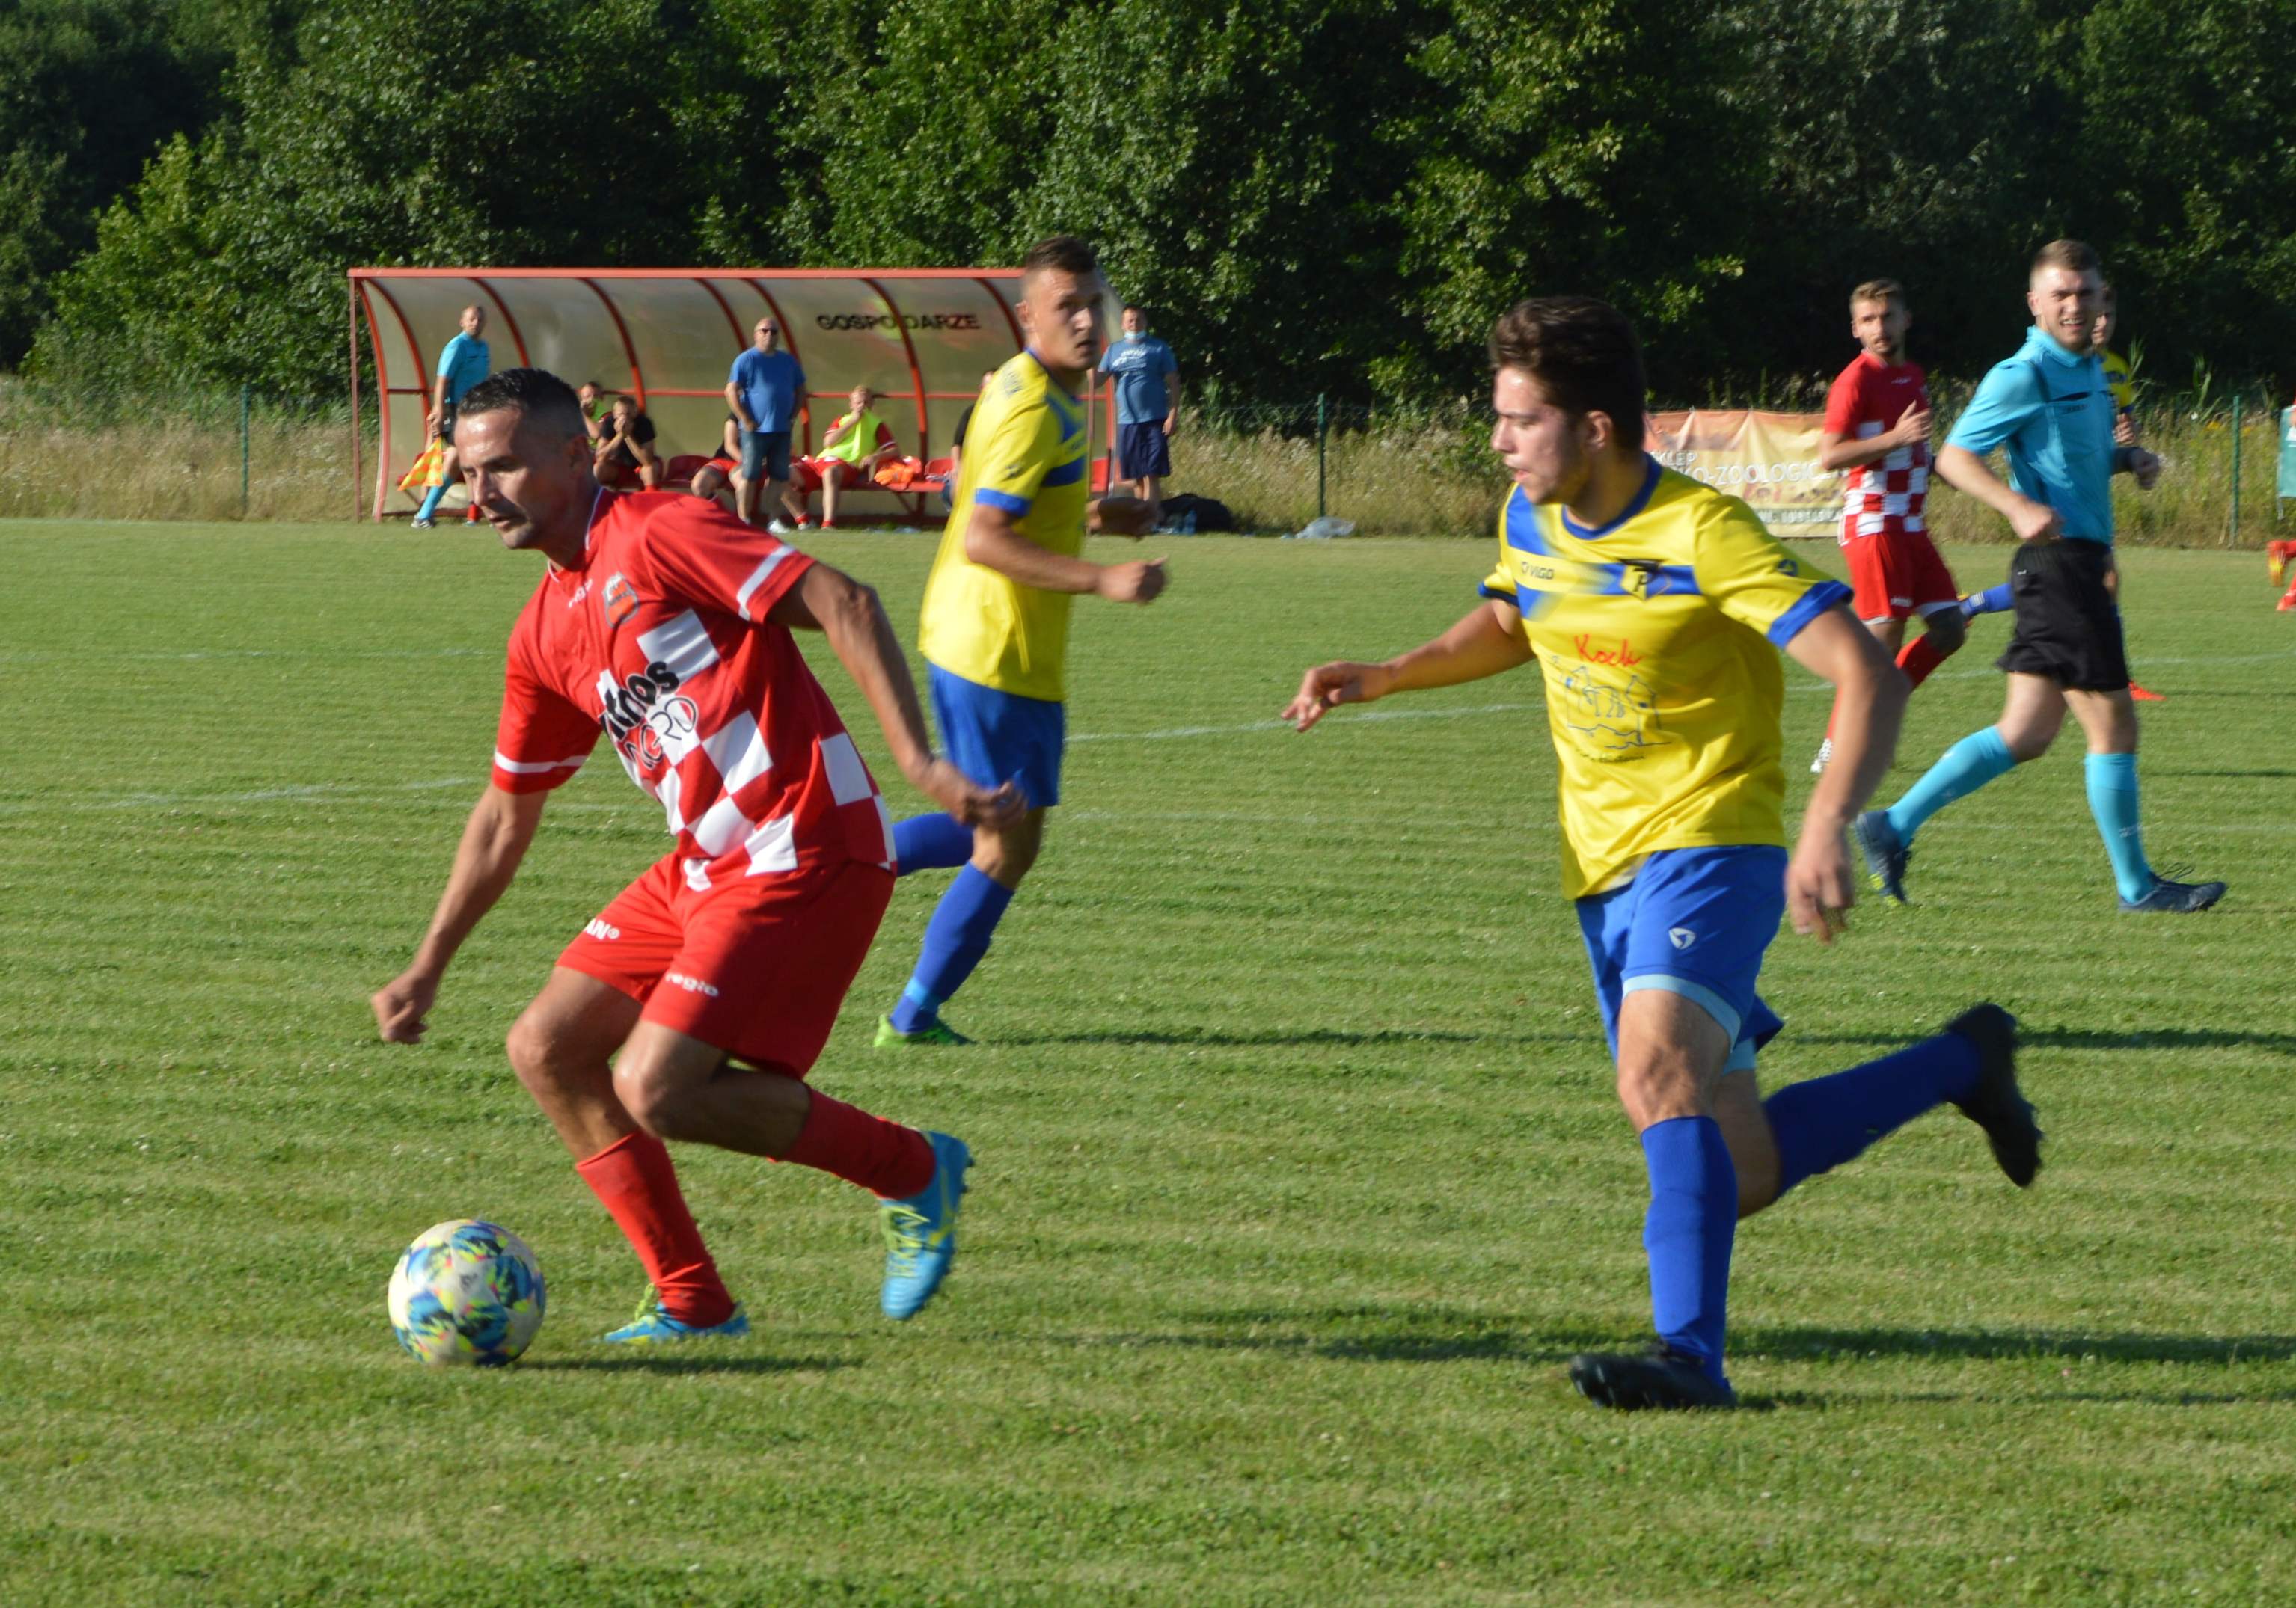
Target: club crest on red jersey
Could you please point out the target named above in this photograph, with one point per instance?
(619, 600)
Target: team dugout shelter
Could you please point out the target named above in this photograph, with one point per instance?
(920, 337)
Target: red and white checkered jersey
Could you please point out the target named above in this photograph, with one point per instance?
(658, 638)
(1885, 497)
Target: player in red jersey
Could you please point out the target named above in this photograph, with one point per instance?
(1877, 428)
(664, 621)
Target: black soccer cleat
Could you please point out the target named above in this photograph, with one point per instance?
(1658, 1379)
(2176, 898)
(1996, 1104)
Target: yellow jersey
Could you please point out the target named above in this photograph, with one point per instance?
(1658, 635)
(1024, 453)
(2119, 378)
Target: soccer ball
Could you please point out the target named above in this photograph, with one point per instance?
(466, 1293)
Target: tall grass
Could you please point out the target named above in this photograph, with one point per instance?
(65, 455)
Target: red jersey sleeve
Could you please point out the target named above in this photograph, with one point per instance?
(1844, 402)
(705, 555)
(541, 738)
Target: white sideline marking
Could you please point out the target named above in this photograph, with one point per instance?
(34, 655)
(1350, 715)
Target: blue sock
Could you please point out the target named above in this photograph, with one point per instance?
(1960, 770)
(431, 501)
(1993, 599)
(2112, 800)
(1824, 1122)
(931, 843)
(1693, 1214)
(956, 939)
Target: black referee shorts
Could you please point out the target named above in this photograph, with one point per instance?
(2067, 627)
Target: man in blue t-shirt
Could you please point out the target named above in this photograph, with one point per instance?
(763, 392)
(1147, 408)
(2050, 407)
(463, 362)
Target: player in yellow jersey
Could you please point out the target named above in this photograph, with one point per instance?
(996, 626)
(1656, 608)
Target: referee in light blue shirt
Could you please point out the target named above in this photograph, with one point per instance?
(2050, 407)
(463, 362)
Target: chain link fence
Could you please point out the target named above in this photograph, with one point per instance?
(70, 452)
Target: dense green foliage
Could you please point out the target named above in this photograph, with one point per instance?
(1316, 195)
(1300, 1168)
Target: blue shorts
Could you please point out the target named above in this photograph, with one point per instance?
(765, 456)
(1143, 449)
(1694, 922)
(999, 737)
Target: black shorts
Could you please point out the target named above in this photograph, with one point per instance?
(2067, 627)
(446, 424)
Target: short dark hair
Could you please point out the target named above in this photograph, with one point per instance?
(1883, 290)
(1065, 252)
(1133, 306)
(2078, 256)
(1582, 352)
(537, 393)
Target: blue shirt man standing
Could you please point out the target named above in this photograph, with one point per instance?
(2050, 407)
(462, 362)
(1147, 408)
(763, 391)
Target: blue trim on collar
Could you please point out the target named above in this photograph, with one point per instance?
(1522, 524)
(2036, 335)
(1030, 352)
(1640, 501)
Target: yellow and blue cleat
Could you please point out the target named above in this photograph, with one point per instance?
(650, 1325)
(921, 1231)
(935, 1032)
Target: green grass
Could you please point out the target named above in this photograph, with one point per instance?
(1300, 1173)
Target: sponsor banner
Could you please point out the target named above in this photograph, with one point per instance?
(1770, 459)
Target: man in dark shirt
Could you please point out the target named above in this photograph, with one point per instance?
(625, 444)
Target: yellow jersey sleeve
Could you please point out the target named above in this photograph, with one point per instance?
(1747, 574)
(1023, 448)
(2120, 381)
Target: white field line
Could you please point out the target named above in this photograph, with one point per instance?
(1340, 720)
(33, 656)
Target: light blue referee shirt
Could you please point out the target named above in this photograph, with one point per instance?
(462, 364)
(2053, 411)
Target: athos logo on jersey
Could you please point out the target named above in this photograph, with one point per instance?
(692, 985)
(1681, 937)
(620, 601)
(596, 928)
(638, 713)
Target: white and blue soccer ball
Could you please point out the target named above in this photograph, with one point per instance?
(466, 1293)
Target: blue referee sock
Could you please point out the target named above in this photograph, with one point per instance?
(1693, 1217)
(1960, 770)
(956, 939)
(2112, 800)
(931, 843)
(431, 501)
(1993, 599)
(1824, 1122)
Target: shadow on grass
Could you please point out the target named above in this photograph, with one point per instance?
(643, 1362)
(2238, 775)
(2076, 1038)
(1374, 1333)
(1307, 1035)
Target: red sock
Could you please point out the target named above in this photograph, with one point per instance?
(1918, 659)
(886, 1159)
(634, 1180)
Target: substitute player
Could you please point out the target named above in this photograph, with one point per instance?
(1877, 428)
(996, 620)
(2050, 406)
(1656, 608)
(664, 621)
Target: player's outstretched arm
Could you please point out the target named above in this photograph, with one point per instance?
(1966, 473)
(494, 842)
(849, 613)
(992, 539)
(1869, 703)
(1486, 642)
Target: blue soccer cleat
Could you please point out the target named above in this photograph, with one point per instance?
(654, 1326)
(921, 1231)
(2178, 898)
(1886, 854)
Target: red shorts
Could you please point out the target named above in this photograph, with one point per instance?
(756, 966)
(1898, 576)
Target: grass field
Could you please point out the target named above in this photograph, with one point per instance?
(1300, 1174)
